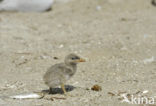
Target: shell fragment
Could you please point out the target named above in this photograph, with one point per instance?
(28, 96)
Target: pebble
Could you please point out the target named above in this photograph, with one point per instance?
(98, 8)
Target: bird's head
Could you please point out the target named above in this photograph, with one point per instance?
(73, 59)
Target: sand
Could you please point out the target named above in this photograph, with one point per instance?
(116, 37)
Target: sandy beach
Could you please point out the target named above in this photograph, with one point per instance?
(116, 37)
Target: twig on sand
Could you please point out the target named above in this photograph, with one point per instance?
(23, 53)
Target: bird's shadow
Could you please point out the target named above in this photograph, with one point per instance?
(59, 90)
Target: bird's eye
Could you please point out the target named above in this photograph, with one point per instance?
(74, 58)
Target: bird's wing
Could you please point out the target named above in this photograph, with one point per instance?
(63, 68)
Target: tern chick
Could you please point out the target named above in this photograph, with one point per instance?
(58, 74)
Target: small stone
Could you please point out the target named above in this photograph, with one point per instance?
(96, 88)
(61, 46)
(111, 94)
(55, 58)
(146, 91)
(98, 8)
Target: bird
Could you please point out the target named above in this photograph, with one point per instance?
(58, 74)
(26, 5)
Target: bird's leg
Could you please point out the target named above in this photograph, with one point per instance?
(63, 88)
(64, 91)
(50, 90)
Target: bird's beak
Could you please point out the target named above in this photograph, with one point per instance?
(81, 60)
